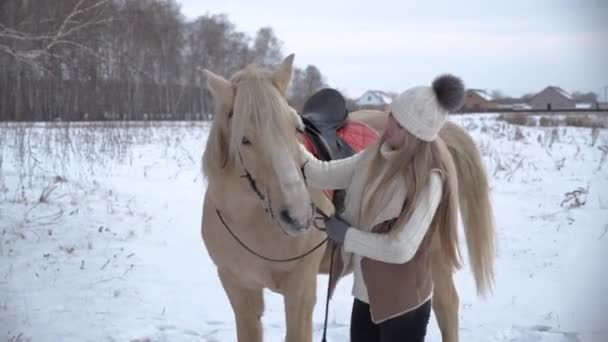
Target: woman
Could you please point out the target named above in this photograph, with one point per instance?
(399, 192)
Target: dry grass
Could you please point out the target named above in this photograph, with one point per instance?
(593, 120)
(587, 121)
(546, 121)
(518, 135)
(42, 153)
(519, 119)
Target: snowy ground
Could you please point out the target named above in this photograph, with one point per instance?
(99, 238)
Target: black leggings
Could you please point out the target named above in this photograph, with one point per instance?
(409, 327)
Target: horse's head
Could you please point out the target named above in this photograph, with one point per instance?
(255, 132)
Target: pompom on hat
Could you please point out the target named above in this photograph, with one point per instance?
(424, 110)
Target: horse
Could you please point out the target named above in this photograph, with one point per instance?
(259, 214)
(257, 201)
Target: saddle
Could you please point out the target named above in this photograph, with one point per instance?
(330, 135)
(323, 114)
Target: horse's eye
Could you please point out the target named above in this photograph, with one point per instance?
(246, 141)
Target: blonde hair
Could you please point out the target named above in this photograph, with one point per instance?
(414, 162)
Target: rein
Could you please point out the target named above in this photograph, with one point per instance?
(268, 208)
(331, 260)
(219, 214)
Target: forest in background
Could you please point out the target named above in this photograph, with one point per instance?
(74, 60)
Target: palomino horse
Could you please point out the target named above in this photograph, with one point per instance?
(257, 199)
(257, 202)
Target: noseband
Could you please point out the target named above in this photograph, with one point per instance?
(268, 208)
(265, 198)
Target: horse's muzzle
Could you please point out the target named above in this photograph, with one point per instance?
(297, 227)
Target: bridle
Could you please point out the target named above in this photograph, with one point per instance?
(264, 197)
(267, 205)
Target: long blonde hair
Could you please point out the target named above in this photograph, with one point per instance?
(414, 162)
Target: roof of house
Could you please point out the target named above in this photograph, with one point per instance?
(384, 96)
(481, 93)
(559, 91)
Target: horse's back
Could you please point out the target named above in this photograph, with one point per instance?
(376, 119)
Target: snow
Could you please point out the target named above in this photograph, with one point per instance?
(386, 98)
(113, 251)
(584, 105)
(482, 94)
(563, 93)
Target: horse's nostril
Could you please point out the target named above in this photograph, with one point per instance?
(286, 217)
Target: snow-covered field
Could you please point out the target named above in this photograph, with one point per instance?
(100, 238)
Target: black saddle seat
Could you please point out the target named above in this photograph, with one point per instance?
(323, 114)
(326, 109)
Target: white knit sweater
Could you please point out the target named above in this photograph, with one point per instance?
(350, 174)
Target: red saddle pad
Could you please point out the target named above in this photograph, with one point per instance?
(357, 134)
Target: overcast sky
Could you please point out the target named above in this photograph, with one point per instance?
(518, 46)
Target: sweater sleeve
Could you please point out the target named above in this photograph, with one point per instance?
(335, 174)
(402, 247)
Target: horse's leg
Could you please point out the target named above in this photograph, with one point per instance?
(300, 298)
(445, 298)
(247, 305)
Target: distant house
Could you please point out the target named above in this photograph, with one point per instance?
(602, 105)
(552, 98)
(374, 99)
(585, 105)
(514, 106)
(477, 99)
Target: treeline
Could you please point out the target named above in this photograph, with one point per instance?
(123, 60)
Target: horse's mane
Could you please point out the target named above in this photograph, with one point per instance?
(259, 112)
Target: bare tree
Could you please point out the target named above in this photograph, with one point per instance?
(497, 94)
(580, 96)
(267, 47)
(527, 97)
(29, 46)
(304, 84)
(120, 59)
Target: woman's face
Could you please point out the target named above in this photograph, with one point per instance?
(394, 133)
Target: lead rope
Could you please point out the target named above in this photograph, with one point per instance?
(331, 266)
(268, 209)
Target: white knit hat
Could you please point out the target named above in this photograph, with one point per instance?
(423, 110)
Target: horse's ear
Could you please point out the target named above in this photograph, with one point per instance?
(220, 88)
(282, 76)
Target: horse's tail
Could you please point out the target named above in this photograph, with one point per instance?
(475, 205)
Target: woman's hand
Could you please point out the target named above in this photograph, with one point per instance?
(336, 228)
